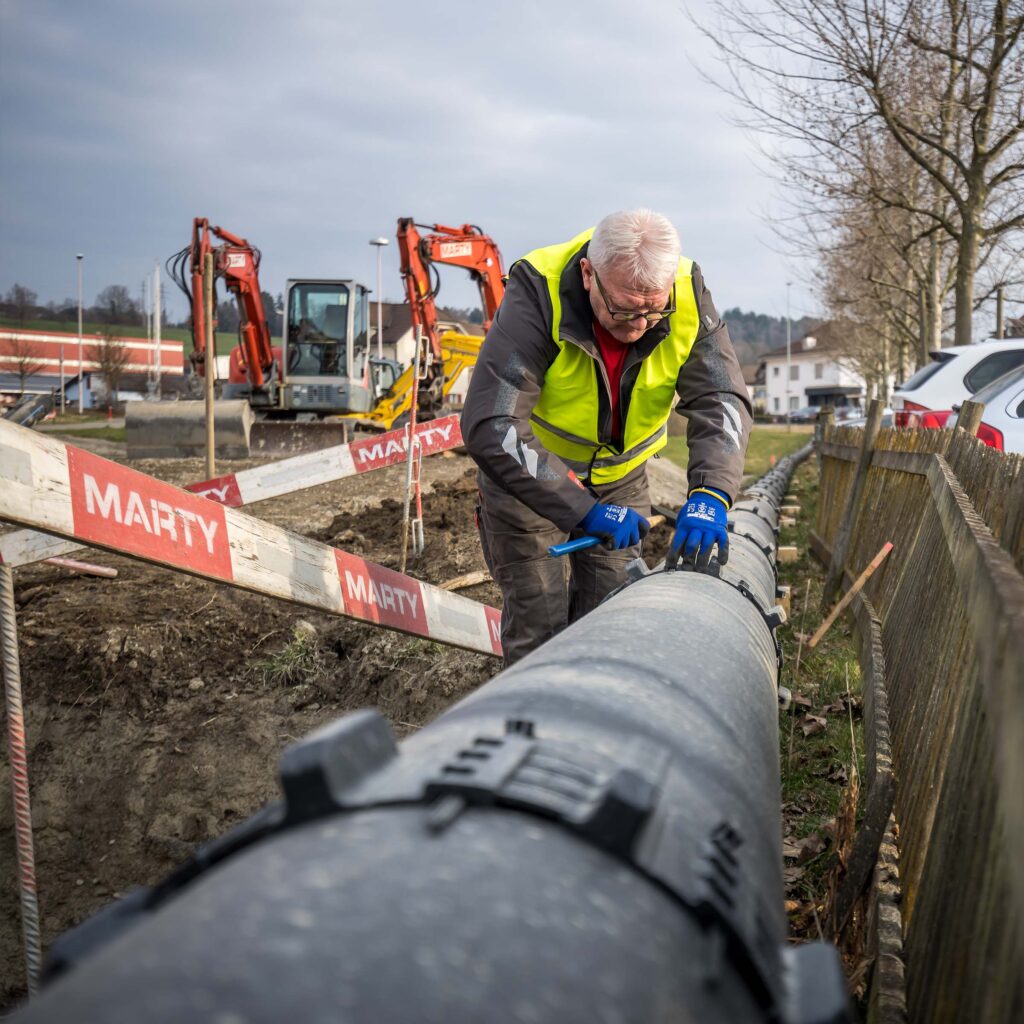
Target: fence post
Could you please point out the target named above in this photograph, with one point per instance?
(969, 417)
(842, 543)
(826, 420)
(19, 778)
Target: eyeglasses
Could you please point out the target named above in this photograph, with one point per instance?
(624, 316)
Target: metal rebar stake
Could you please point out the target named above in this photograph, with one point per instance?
(410, 434)
(19, 778)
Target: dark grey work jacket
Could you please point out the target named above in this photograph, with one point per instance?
(509, 375)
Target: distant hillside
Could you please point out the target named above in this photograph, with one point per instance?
(753, 334)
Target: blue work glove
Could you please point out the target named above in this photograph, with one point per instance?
(700, 525)
(620, 527)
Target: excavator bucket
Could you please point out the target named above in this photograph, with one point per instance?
(174, 430)
(282, 438)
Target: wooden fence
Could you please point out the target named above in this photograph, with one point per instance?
(948, 608)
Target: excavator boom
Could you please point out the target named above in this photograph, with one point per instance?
(236, 262)
(467, 247)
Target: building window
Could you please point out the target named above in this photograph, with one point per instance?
(775, 371)
(794, 372)
(777, 403)
(793, 403)
(819, 371)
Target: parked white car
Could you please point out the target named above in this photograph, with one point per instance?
(1002, 423)
(954, 375)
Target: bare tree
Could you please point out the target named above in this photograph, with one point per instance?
(115, 305)
(26, 358)
(22, 302)
(111, 356)
(943, 80)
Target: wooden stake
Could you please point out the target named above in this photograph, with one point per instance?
(210, 362)
(86, 568)
(470, 579)
(851, 593)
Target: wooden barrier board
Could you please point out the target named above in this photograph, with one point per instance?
(22, 547)
(48, 485)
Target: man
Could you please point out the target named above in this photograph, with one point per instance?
(593, 341)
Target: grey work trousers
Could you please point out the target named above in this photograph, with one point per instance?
(542, 595)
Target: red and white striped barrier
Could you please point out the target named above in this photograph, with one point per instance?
(22, 547)
(327, 465)
(47, 485)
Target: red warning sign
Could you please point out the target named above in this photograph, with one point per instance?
(222, 489)
(381, 595)
(388, 449)
(494, 627)
(122, 509)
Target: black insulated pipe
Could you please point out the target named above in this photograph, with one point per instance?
(593, 836)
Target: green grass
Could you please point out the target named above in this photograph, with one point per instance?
(816, 768)
(102, 433)
(764, 442)
(73, 418)
(301, 660)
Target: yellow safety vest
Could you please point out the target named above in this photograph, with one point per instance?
(565, 418)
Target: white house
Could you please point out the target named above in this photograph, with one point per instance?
(817, 375)
(397, 340)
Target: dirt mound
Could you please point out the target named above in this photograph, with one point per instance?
(157, 704)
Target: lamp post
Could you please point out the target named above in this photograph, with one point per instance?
(81, 362)
(789, 355)
(379, 243)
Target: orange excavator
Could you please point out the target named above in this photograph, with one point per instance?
(445, 354)
(324, 369)
(237, 263)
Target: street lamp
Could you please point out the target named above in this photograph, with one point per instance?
(81, 362)
(789, 355)
(379, 243)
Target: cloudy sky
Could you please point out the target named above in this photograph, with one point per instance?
(310, 126)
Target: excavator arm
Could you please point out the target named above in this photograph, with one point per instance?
(467, 247)
(236, 262)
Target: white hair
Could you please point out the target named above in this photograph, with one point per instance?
(640, 243)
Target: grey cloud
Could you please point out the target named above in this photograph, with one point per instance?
(309, 127)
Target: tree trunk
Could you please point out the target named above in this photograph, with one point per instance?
(935, 300)
(966, 265)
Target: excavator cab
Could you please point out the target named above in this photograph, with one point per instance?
(326, 350)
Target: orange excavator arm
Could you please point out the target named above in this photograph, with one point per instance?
(466, 246)
(237, 262)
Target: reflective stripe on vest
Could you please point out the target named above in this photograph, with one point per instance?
(565, 418)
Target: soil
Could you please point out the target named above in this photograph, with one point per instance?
(157, 704)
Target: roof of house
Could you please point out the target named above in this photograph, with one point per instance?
(827, 338)
(753, 374)
(397, 317)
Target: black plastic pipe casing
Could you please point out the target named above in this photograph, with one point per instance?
(593, 836)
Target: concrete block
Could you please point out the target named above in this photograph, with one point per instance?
(787, 521)
(788, 554)
(790, 510)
